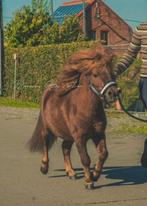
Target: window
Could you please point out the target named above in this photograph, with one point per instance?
(104, 37)
(93, 35)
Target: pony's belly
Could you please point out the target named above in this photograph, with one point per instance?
(62, 134)
(59, 127)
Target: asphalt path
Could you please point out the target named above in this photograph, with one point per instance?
(123, 181)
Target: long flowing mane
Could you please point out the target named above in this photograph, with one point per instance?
(83, 61)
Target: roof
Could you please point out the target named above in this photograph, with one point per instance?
(63, 11)
(75, 7)
(73, 2)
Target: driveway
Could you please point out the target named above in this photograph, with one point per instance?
(123, 181)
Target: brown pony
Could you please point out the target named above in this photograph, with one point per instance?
(73, 111)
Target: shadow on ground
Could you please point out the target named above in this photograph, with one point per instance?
(126, 175)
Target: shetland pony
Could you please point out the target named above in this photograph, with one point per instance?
(73, 110)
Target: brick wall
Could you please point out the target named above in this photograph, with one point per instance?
(119, 32)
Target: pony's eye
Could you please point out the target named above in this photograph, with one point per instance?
(95, 75)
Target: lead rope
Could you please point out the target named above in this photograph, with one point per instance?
(128, 113)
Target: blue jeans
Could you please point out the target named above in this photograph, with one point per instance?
(143, 90)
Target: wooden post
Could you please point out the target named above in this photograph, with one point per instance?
(15, 73)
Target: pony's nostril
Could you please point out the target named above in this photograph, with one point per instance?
(109, 93)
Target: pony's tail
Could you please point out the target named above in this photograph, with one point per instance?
(40, 137)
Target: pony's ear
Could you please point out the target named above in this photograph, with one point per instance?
(113, 59)
(98, 56)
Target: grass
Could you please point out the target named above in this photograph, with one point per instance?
(125, 124)
(17, 103)
(121, 128)
(113, 113)
(133, 129)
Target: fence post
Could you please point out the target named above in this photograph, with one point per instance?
(15, 70)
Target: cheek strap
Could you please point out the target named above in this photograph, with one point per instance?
(102, 92)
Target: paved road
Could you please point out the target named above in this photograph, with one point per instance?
(123, 182)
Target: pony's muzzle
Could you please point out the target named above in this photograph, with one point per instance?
(111, 95)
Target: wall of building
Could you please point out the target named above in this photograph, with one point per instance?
(108, 19)
(101, 18)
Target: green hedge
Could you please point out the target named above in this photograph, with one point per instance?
(129, 84)
(36, 67)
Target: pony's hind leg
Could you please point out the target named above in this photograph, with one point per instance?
(45, 160)
(48, 142)
(66, 148)
(100, 143)
(85, 160)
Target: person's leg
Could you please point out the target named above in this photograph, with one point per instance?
(117, 105)
(143, 90)
(144, 155)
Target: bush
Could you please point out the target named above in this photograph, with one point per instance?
(36, 67)
(128, 82)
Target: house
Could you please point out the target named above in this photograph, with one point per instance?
(102, 23)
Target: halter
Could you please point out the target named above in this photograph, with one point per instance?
(102, 92)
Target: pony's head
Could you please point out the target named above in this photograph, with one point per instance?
(93, 66)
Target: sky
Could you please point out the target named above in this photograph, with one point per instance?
(132, 11)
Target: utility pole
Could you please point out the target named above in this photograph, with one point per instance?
(1, 49)
(52, 8)
(84, 19)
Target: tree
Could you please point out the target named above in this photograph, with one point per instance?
(70, 29)
(53, 34)
(40, 5)
(33, 26)
(29, 25)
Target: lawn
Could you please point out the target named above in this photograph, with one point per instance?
(17, 103)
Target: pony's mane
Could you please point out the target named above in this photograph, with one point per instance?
(83, 61)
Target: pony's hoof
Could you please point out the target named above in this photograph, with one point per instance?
(73, 177)
(44, 170)
(89, 186)
(96, 174)
(44, 167)
(95, 178)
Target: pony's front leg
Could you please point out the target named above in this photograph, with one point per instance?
(66, 148)
(100, 143)
(85, 160)
(45, 159)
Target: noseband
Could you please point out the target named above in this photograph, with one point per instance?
(102, 92)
